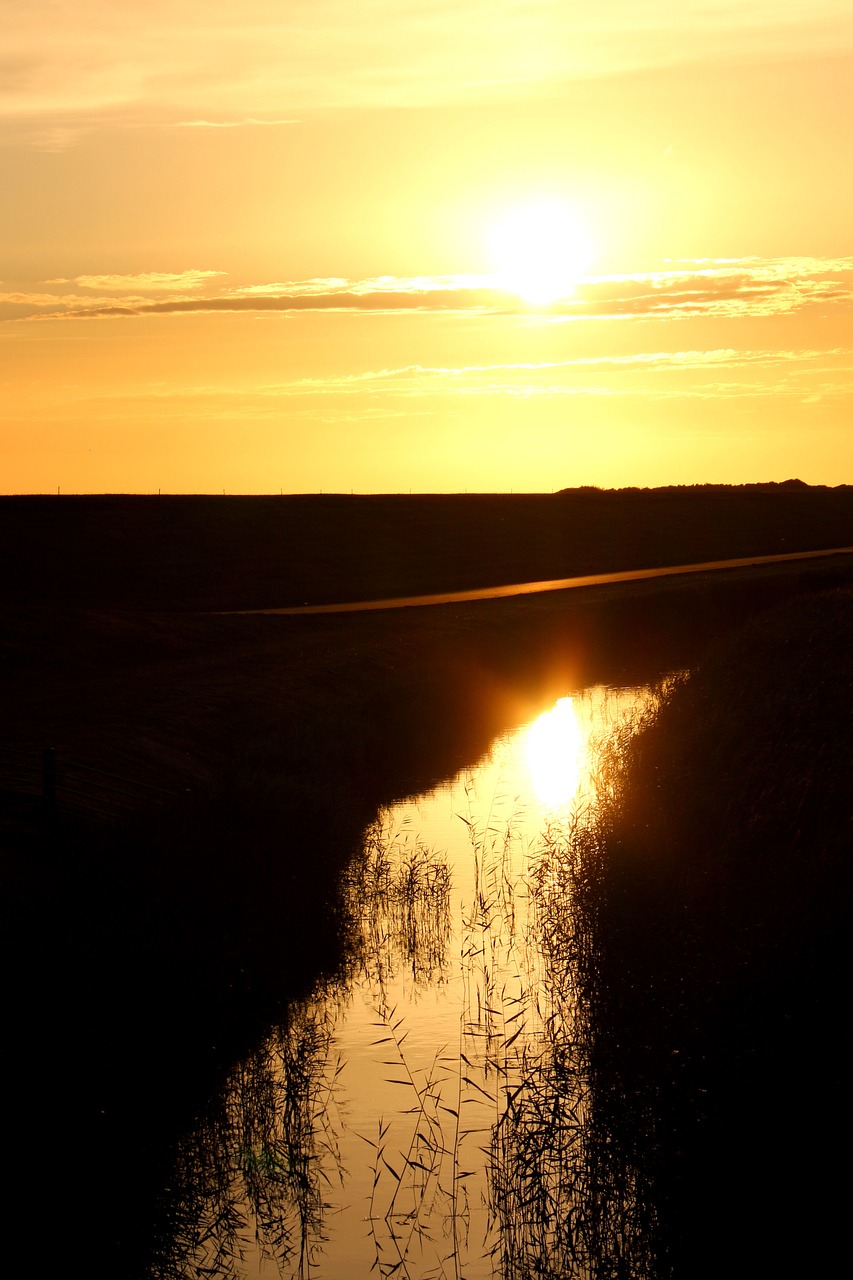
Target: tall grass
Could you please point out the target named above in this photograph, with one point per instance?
(566, 1201)
(398, 889)
(505, 1167)
(710, 906)
(254, 1175)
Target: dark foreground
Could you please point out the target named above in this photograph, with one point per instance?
(715, 914)
(146, 949)
(205, 553)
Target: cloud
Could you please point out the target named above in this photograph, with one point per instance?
(644, 361)
(145, 282)
(570, 377)
(52, 138)
(657, 375)
(741, 288)
(729, 288)
(229, 124)
(307, 296)
(334, 286)
(40, 303)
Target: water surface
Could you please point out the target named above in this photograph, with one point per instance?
(423, 1114)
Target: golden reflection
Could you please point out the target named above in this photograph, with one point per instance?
(554, 749)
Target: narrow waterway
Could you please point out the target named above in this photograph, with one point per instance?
(422, 1114)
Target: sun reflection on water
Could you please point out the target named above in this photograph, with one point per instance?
(406, 1107)
(554, 749)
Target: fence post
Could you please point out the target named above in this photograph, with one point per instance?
(48, 782)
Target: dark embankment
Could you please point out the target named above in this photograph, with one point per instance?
(717, 915)
(256, 552)
(145, 950)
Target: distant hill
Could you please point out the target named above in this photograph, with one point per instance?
(767, 486)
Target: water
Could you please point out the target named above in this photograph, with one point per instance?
(423, 1114)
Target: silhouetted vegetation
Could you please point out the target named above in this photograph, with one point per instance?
(256, 1168)
(714, 905)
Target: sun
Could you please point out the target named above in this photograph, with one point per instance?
(539, 251)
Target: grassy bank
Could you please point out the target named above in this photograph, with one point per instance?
(715, 908)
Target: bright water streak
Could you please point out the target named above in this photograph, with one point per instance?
(418, 1054)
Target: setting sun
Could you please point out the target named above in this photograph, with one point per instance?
(243, 250)
(539, 251)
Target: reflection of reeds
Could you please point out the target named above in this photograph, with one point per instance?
(423, 1218)
(255, 1171)
(536, 1168)
(566, 1201)
(400, 892)
(420, 1212)
(568, 1195)
(507, 1114)
(563, 1198)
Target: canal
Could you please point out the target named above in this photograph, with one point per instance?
(422, 1113)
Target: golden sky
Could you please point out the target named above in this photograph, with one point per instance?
(407, 244)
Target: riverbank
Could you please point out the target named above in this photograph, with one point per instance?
(714, 911)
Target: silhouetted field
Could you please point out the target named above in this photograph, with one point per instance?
(144, 952)
(255, 552)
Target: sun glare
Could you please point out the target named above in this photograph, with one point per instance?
(554, 750)
(539, 251)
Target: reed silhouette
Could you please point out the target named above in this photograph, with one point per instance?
(712, 905)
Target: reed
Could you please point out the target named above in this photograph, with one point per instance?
(420, 1212)
(507, 1114)
(253, 1174)
(398, 890)
(710, 902)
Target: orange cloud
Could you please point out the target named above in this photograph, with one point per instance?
(750, 287)
(145, 282)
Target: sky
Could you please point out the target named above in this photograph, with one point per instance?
(401, 245)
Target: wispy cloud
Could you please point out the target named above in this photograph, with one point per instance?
(213, 63)
(733, 288)
(247, 122)
(333, 286)
(144, 282)
(582, 376)
(741, 288)
(718, 357)
(353, 296)
(806, 375)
